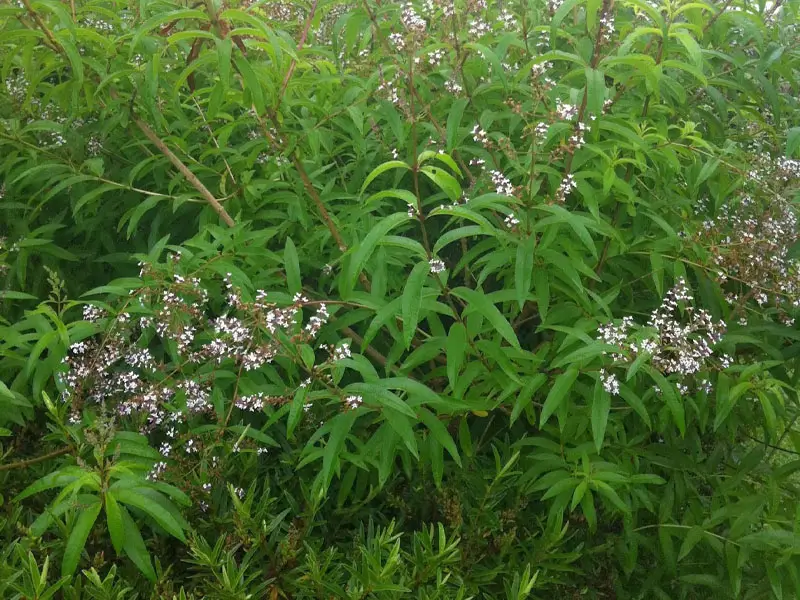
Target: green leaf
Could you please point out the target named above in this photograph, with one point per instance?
(609, 493)
(251, 84)
(402, 425)
(404, 195)
(793, 142)
(726, 400)
(670, 395)
(412, 296)
(692, 47)
(557, 394)
(457, 234)
(490, 57)
(525, 395)
(134, 545)
(11, 295)
(340, 427)
(159, 514)
(439, 431)
(455, 349)
(60, 478)
(601, 404)
(454, 120)
(523, 269)
(595, 91)
(541, 285)
(78, 536)
(364, 250)
(116, 528)
(384, 397)
(382, 168)
(295, 411)
(224, 47)
(292, 265)
(446, 182)
(694, 535)
(478, 302)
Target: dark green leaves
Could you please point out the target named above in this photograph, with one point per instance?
(456, 350)
(601, 404)
(364, 250)
(558, 393)
(78, 536)
(478, 302)
(292, 266)
(523, 269)
(159, 509)
(453, 121)
(412, 297)
(116, 527)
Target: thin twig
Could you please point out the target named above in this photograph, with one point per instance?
(32, 461)
(213, 139)
(190, 177)
(293, 64)
(50, 37)
(717, 16)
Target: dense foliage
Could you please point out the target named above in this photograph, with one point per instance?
(399, 300)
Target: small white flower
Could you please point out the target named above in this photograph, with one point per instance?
(610, 382)
(511, 221)
(436, 265)
(353, 402)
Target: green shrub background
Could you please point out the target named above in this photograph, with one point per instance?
(399, 300)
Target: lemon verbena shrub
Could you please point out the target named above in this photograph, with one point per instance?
(442, 299)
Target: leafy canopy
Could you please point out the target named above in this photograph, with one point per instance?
(399, 300)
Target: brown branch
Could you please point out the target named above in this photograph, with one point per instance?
(293, 64)
(717, 16)
(213, 139)
(41, 24)
(191, 177)
(32, 461)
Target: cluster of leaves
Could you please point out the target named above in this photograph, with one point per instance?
(441, 300)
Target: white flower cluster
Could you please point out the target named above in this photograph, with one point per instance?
(540, 131)
(114, 369)
(676, 344)
(683, 348)
(502, 183)
(480, 136)
(478, 27)
(564, 111)
(607, 25)
(453, 87)
(436, 265)
(477, 162)
(397, 41)
(411, 20)
(577, 139)
(566, 187)
(511, 221)
(98, 24)
(341, 352)
(508, 20)
(256, 402)
(17, 87)
(609, 382)
(436, 56)
(539, 69)
(753, 241)
(389, 91)
(353, 402)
